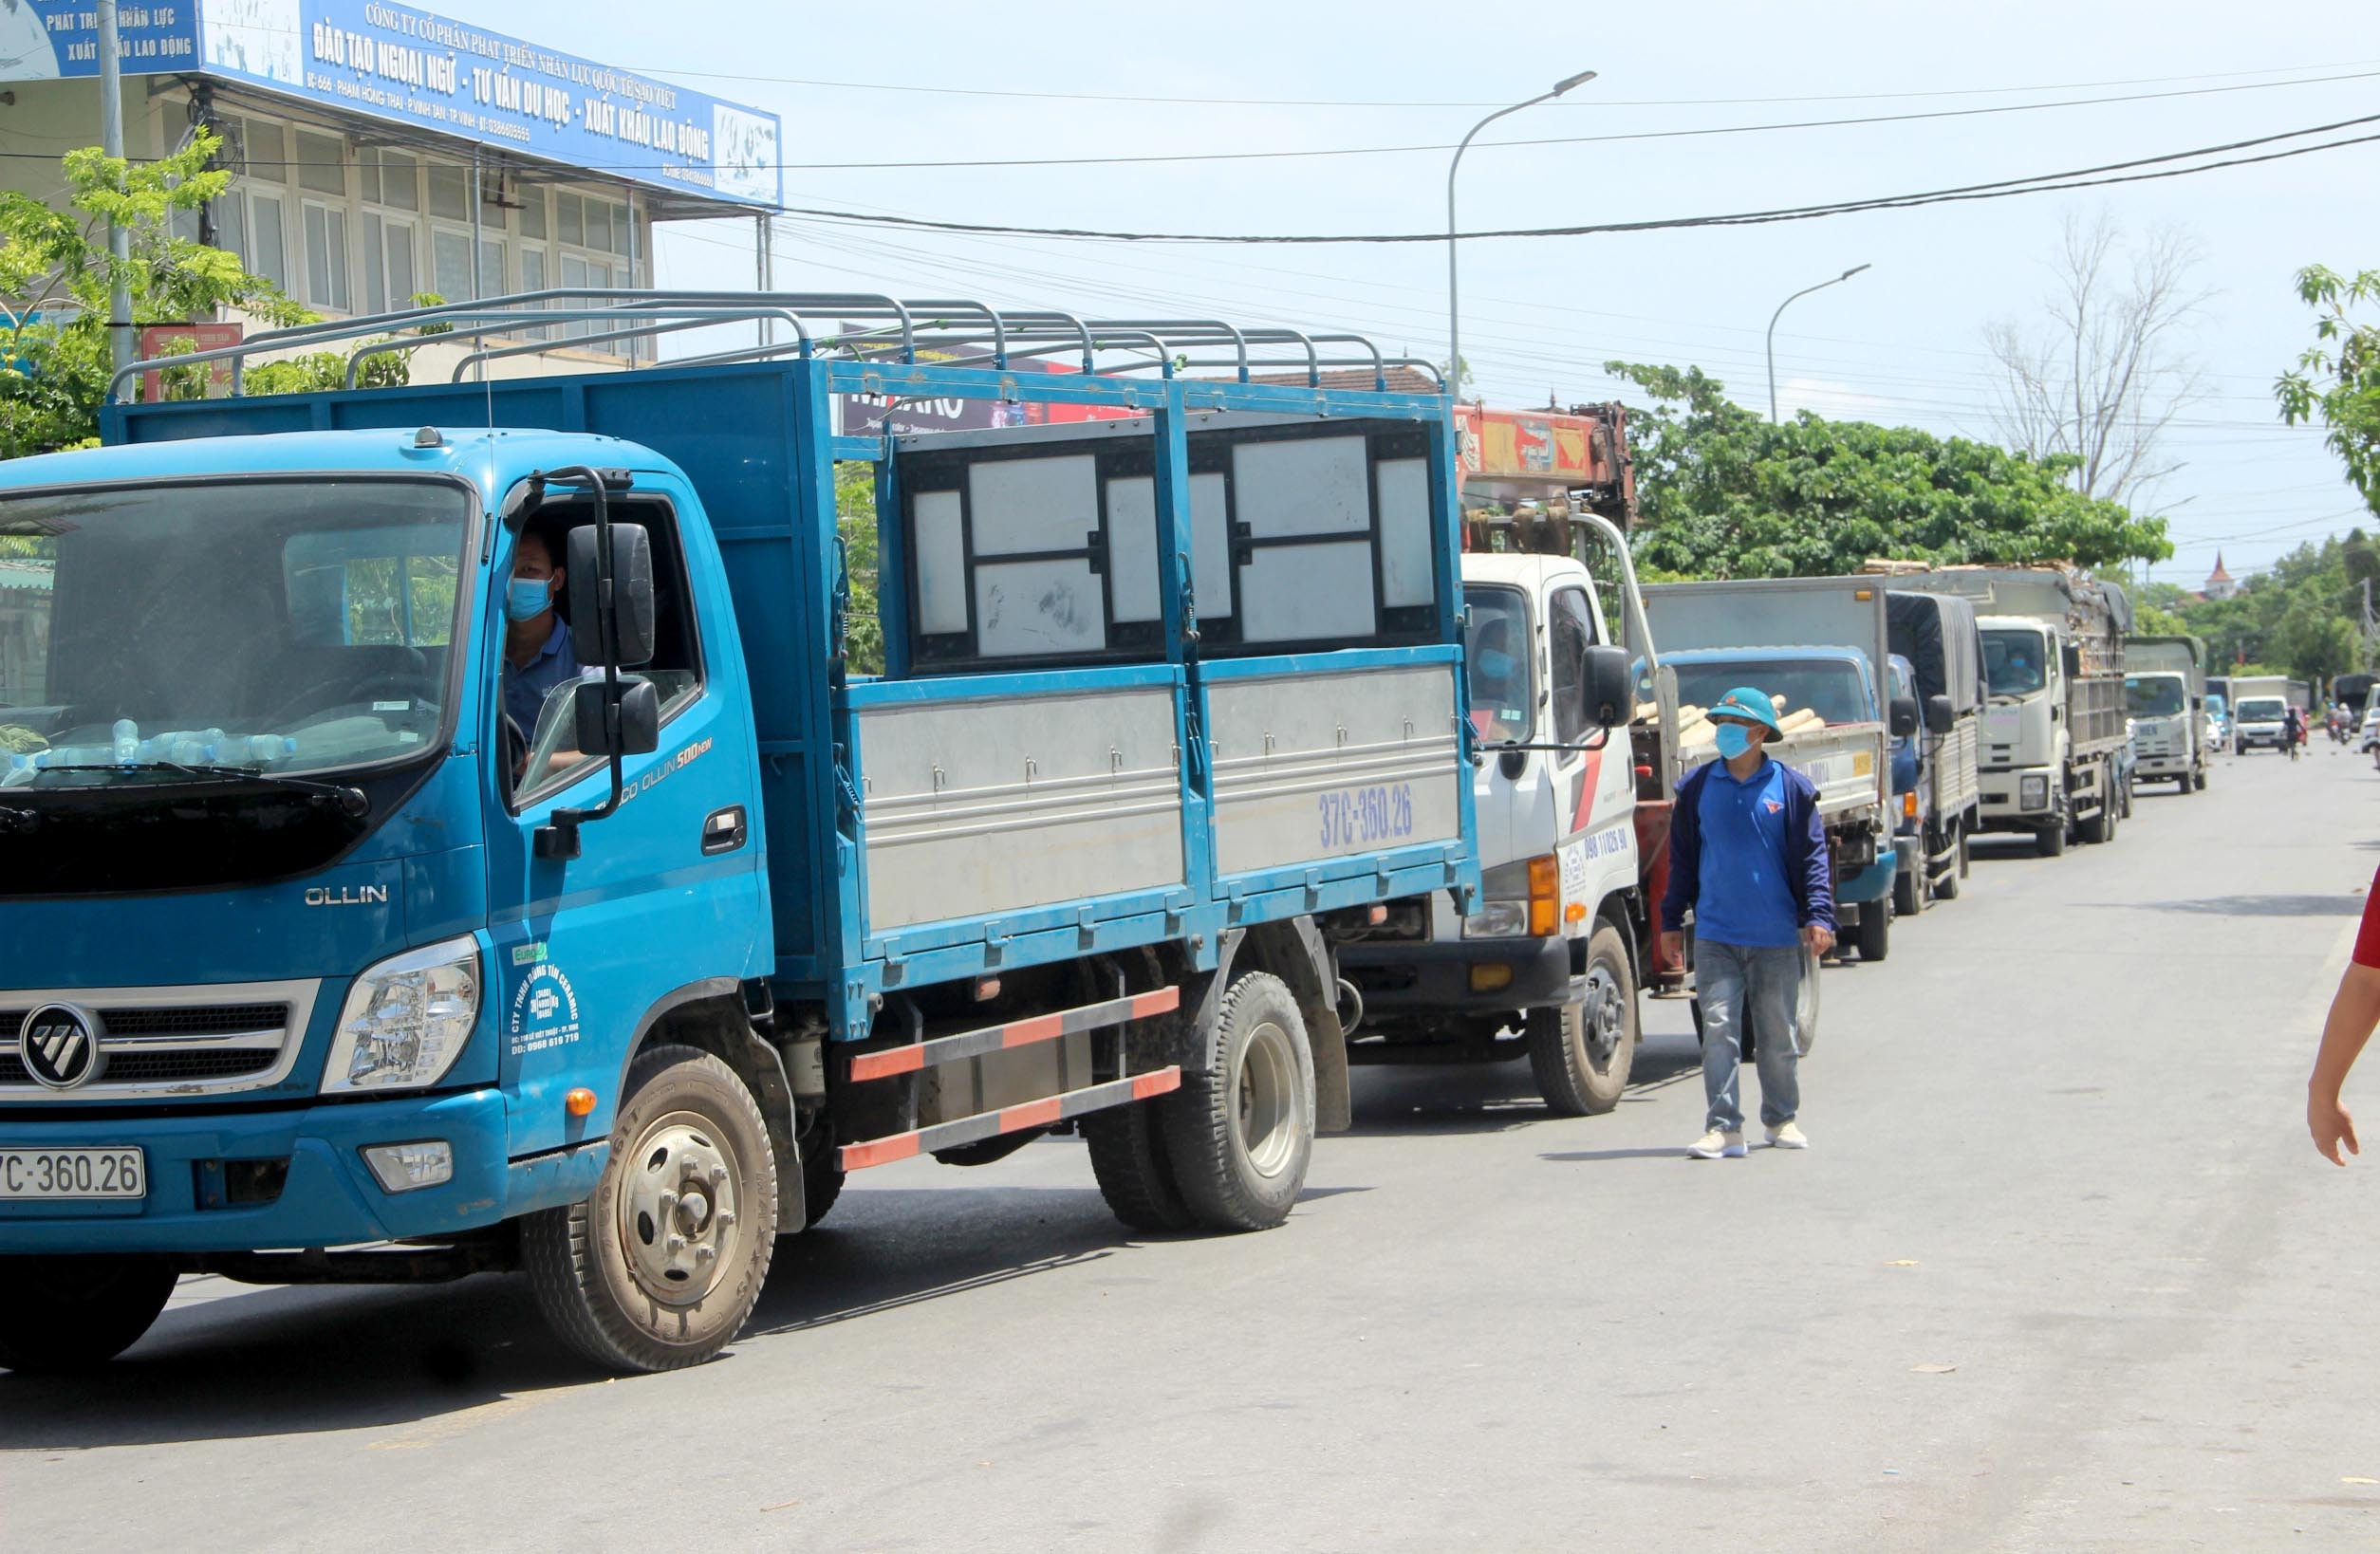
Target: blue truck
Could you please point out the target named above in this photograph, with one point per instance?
(321, 965)
(1818, 646)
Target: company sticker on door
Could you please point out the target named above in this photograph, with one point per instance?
(545, 1010)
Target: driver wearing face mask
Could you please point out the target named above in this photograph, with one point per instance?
(537, 653)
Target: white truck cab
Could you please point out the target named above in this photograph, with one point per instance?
(1559, 943)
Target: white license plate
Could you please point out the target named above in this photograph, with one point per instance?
(71, 1173)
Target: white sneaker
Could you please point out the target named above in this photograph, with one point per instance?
(1716, 1145)
(1787, 1136)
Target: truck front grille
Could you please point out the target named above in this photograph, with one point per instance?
(168, 1041)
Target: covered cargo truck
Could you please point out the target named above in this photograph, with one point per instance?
(320, 964)
(2165, 692)
(1941, 811)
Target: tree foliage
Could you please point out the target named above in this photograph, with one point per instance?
(2338, 377)
(1724, 493)
(855, 521)
(2303, 616)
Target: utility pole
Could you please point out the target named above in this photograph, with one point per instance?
(112, 141)
(1454, 307)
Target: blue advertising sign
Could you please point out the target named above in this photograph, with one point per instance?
(413, 66)
(40, 39)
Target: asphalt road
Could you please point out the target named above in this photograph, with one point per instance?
(2060, 1272)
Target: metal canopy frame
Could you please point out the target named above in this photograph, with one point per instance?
(946, 331)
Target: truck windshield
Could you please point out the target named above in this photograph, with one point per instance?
(1834, 688)
(288, 626)
(2152, 695)
(1496, 647)
(2015, 661)
(2263, 710)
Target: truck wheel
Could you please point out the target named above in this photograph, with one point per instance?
(2198, 781)
(1581, 1052)
(2100, 824)
(59, 1315)
(1909, 890)
(1946, 888)
(1240, 1134)
(1875, 930)
(662, 1267)
(822, 1179)
(2050, 842)
(1128, 1158)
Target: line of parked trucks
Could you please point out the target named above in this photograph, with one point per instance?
(1217, 748)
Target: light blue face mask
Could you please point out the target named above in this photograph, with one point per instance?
(529, 597)
(1733, 739)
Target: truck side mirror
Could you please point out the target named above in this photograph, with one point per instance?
(2070, 656)
(1608, 680)
(631, 594)
(1902, 717)
(638, 731)
(2198, 704)
(1941, 717)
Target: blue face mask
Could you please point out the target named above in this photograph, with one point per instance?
(529, 597)
(1494, 665)
(1733, 739)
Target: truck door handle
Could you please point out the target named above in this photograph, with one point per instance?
(724, 830)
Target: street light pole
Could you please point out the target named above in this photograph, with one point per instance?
(112, 143)
(1453, 312)
(1780, 313)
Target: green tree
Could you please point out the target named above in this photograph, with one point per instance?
(56, 273)
(855, 521)
(2338, 378)
(2303, 614)
(1723, 492)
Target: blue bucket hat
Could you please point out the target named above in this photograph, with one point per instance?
(1746, 701)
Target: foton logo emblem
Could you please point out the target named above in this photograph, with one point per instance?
(346, 896)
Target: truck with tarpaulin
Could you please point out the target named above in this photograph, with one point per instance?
(1940, 809)
(321, 966)
(2053, 734)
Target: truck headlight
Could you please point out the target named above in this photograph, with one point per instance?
(2033, 793)
(407, 1020)
(1497, 920)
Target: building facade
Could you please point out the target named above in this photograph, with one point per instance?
(380, 152)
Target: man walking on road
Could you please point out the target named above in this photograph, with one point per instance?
(1748, 857)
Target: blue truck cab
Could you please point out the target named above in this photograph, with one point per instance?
(317, 963)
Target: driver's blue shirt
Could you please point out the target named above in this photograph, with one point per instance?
(524, 689)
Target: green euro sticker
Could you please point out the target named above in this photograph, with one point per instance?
(530, 953)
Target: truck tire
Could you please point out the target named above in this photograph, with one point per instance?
(2099, 825)
(1127, 1157)
(660, 1269)
(1875, 935)
(1946, 888)
(60, 1315)
(1240, 1134)
(1909, 890)
(2050, 840)
(2198, 781)
(822, 1179)
(1581, 1052)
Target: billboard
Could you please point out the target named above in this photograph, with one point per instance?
(415, 67)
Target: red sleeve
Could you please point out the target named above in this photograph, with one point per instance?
(2368, 936)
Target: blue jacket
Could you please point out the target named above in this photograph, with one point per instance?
(1805, 860)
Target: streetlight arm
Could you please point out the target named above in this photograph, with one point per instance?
(1454, 310)
(1780, 313)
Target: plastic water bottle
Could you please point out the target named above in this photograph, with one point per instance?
(260, 749)
(75, 755)
(127, 740)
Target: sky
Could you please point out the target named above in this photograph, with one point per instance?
(1902, 342)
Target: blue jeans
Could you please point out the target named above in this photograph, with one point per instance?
(1731, 980)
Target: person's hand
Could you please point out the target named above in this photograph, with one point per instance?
(1673, 948)
(2330, 1126)
(1818, 936)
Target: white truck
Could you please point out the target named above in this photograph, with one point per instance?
(1562, 938)
(2260, 711)
(2055, 728)
(2165, 691)
(1939, 811)
(1821, 643)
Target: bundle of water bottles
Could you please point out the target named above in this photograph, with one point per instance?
(181, 748)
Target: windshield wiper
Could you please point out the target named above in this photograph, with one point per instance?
(351, 801)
